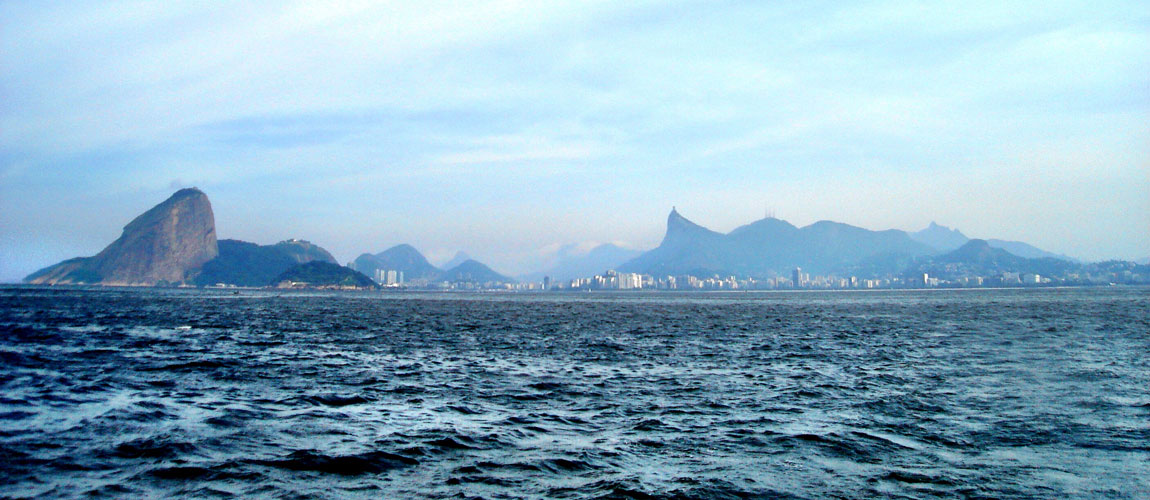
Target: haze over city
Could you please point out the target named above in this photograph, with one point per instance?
(507, 130)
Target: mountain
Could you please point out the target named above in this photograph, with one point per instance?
(687, 248)
(946, 239)
(980, 253)
(460, 257)
(303, 251)
(835, 247)
(1026, 250)
(979, 258)
(248, 264)
(165, 245)
(941, 237)
(403, 258)
(573, 264)
(471, 271)
(322, 274)
(773, 247)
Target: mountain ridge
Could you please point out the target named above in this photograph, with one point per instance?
(174, 242)
(767, 247)
(946, 239)
(978, 257)
(571, 264)
(242, 263)
(473, 271)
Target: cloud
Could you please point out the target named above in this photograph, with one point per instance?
(575, 121)
(520, 149)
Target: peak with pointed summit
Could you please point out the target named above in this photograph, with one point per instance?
(678, 225)
(940, 237)
(769, 247)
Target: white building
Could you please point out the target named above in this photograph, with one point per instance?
(388, 277)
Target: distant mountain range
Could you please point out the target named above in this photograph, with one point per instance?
(980, 258)
(470, 271)
(945, 239)
(175, 243)
(416, 269)
(771, 247)
(570, 263)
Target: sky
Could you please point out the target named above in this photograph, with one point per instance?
(507, 129)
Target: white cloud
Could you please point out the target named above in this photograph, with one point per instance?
(575, 121)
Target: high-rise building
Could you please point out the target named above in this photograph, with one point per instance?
(387, 277)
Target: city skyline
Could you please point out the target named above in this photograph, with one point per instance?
(508, 131)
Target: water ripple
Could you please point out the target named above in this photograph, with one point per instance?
(113, 393)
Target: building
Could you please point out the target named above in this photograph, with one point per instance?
(387, 277)
(798, 279)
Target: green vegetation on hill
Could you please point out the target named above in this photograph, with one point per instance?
(247, 264)
(324, 274)
(304, 251)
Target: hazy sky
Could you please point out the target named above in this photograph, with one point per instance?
(506, 128)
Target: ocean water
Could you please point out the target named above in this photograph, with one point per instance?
(114, 393)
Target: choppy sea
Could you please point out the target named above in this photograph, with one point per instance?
(153, 393)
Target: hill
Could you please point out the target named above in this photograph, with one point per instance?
(471, 271)
(942, 238)
(979, 258)
(319, 274)
(242, 263)
(404, 258)
(945, 239)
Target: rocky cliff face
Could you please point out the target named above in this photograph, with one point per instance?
(166, 244)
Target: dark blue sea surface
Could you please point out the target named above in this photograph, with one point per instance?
(114, 393)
